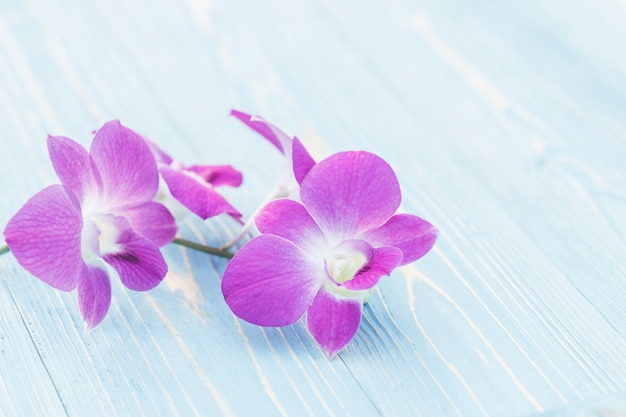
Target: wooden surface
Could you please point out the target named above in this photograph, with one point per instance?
(505, 122)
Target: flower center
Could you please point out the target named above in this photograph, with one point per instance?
(99, 236)
(342, 267)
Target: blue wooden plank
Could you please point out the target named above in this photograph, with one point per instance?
(22, 368)
(607, 405)
(504, 124)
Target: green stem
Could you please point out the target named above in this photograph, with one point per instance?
(203, 248)
(183, 242)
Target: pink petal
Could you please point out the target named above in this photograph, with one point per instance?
(151, 220)
(383, 260)
(302, 160)
(349, 193)
(128, 170)
(411, 234)
(197, 196)
(271, 282)
(290, 220)
(44, 236)
(140, 264)
(274, 135)
(218, 175)
(333, 321)
(94, 295)
(72, 165)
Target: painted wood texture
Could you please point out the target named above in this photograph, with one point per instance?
(505, 122)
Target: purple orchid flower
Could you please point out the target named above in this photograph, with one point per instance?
(102, 216)
(324, 255)
(193, 187)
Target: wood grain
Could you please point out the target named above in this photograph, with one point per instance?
(505, 125)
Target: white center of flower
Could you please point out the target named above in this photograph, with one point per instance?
(99, 236)
(342, 267)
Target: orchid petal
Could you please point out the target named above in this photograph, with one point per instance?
(196, 195)
(333, 321)
(45, 237)
(274, 135)
(271, 282)
(94, 295)
(302, 160)
(349, 193)
(139, 263)
(383, 260)
(151, 220)
(218, 175)
(290, 220)
(128, 170)
(72, 165)
(411, 234)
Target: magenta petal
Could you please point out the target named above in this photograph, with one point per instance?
(218, 175)
(45, 235)
(197, 196)
(274, 135)
(290, 220)
(350, 192)
(382, 262)
(72, 165)
(140, 264)
(94, 295)
(271, 282)
(411, 234)
(302, 160)
(127, 168)
(151, 220)
(333, 321)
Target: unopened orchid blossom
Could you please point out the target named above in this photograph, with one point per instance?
(192, 189)
(100, 221)
(297, 162)
(297, 159)
(323, 255)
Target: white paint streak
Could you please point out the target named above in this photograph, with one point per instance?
(192, 360)
(410, 272)
(72, 76)
(499, 101)
(267, 387)
(542, 317)
(495, 318)
(295, 388)
(264, 381)
(30, 81)
(421, 360)
(306, 375)
(202, 10)
(186, 285)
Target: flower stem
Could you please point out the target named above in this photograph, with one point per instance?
(203, 248)
(277, 193)
(4, 249)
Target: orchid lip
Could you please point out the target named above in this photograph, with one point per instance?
(343, 267)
